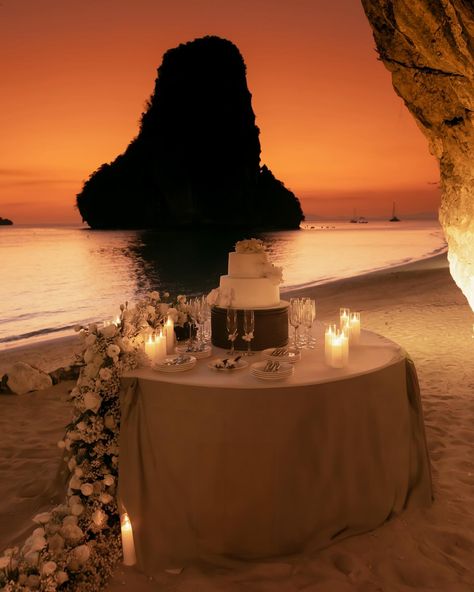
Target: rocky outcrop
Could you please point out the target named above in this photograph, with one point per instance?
(196, 160)
(428, 46)
(23, 378)
(5, 222)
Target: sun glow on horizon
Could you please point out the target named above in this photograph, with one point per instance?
(331, 126)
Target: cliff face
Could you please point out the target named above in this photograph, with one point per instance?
(196, 159)
(428, 46)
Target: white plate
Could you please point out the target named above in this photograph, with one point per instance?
(239, 365)
(292, 355)
(166, 366)
(199, 354)
(285, 371)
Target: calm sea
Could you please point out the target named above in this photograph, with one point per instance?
(54, 277)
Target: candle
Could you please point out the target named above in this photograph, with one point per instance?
(128, 546)
(150, 347)
(169, 336)
(330, 331)
(336, 349)
(354, 328)
(160, 351)
(344, 317)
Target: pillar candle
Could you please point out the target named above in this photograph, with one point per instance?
(128, 546)
(169, 327)
(330, 331)
(344, 317)
(354, 326)
(337, 349)
(150, 347)
(160, 351)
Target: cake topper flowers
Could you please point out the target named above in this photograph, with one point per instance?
(250, 245)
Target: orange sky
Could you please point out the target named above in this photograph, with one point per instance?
(76, 75)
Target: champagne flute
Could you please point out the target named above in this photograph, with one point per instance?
(295, 317)
(231, 325)
(249, 327)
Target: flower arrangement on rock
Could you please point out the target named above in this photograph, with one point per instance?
(76, 545)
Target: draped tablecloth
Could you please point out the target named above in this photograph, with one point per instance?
(217, 464)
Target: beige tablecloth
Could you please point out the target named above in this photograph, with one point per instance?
(213, 465)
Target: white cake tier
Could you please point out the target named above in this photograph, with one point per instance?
(246, 265)
(251, 292)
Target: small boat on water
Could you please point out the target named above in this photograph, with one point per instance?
(5, 222)
(394, 217)
(358, 219)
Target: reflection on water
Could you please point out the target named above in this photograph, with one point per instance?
(52, 278)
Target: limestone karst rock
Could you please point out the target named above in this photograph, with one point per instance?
(428, 46)
(196, 159)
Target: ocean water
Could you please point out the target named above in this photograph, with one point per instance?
(54, 277)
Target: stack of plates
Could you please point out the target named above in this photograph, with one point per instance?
(281, 370)
(178, 363)
(282, 354)
(194, 350)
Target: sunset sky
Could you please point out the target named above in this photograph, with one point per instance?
(76, 76)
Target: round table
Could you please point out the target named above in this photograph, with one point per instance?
(219, 464)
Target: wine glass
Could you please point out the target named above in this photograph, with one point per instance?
(295, 317)
(231, 325)
(249, 327)
(308, 318)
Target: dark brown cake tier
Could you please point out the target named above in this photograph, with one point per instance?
(271, 328)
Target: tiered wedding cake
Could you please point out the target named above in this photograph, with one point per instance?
(252, 283)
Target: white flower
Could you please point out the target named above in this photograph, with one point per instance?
(77, 328)
(48, 568)
(109, 480)
(154, 295)
(75, 482)
(226, 295)
(150, 310)
(212, 297)
(109, 331)
(87, 489)
(92, 401)
(99, 517)
(33, 581)
(81, 426)
(181, 299)
(32, 558)
(105, 498)
(90, 340)
(71, 533)
(34, 543)
(81, 554)
(109, 421)
(71, 520)
(42, 518)
(61, 577)
(77, 509)
(71, 463)
(105, 373)
(4, 562)
(113, 350)
(61, 444)
(164, 308)
(173, 314)
(55, 543)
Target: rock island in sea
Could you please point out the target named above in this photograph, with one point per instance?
(195, 162)
(5, 222)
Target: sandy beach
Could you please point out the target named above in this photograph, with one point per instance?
(416, 305)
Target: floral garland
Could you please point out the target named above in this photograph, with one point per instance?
(77, 543)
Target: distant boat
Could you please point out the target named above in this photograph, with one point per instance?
(5, 222)
(358, 219)
(394, 218)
